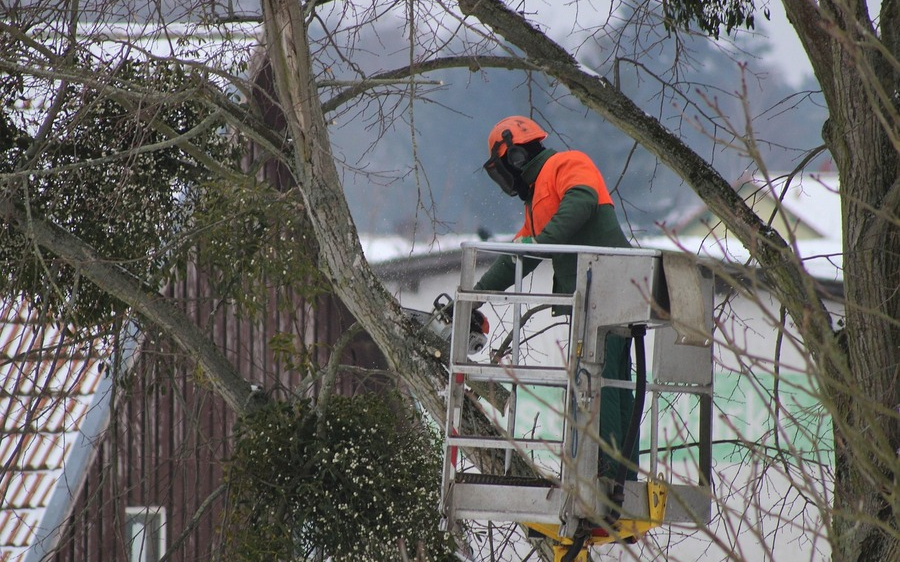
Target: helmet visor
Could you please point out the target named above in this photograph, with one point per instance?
(501, 176)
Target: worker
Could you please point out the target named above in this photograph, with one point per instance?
(566, 202)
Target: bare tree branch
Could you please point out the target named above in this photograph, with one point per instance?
(121, 284)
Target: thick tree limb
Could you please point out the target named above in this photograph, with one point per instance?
(329, 377)
(411, 354)
(472, 63)
(121, 284)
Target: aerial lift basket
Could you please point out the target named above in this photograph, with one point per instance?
(629, 292)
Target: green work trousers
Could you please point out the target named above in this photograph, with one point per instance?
(616, 405)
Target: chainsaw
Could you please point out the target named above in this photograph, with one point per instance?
(440, 321)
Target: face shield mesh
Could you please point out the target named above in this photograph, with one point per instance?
(501, 176)
(496, 168)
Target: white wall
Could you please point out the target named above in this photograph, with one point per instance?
(760, 511)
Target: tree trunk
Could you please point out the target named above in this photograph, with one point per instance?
(863, 135)
(322, 195)
(420, 362)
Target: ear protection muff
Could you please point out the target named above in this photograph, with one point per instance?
(516, 156)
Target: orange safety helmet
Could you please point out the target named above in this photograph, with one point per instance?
(522, 129)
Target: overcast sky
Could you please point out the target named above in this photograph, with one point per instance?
(785, 52)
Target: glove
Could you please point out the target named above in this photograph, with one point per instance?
(479, 323)
(478, 331)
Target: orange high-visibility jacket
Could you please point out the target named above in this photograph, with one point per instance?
(561, 172)
(586, 219)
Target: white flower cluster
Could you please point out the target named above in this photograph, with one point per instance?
(353, 490)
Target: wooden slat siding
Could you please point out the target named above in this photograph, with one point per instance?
(164, 473)
(192, 478)
(181, 380)
(143, 419)
(108, 482)
(86, 538)
(205, 413)
(170, 421)
(161, 457)
(139, 434)
(190, 473)
(101, 485)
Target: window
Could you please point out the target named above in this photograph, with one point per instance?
(145, 531)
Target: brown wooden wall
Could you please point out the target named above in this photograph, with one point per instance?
(169, 434)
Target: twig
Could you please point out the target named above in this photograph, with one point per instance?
(195, 520)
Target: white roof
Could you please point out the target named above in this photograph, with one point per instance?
(378, 248)
(814, 198)
(48, 391)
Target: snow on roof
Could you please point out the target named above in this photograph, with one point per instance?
(822, 258)
(48, 391)
(813, 198)
(378, 248)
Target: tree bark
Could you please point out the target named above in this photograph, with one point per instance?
(863, 135)
(320, 189)
(420, 361)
